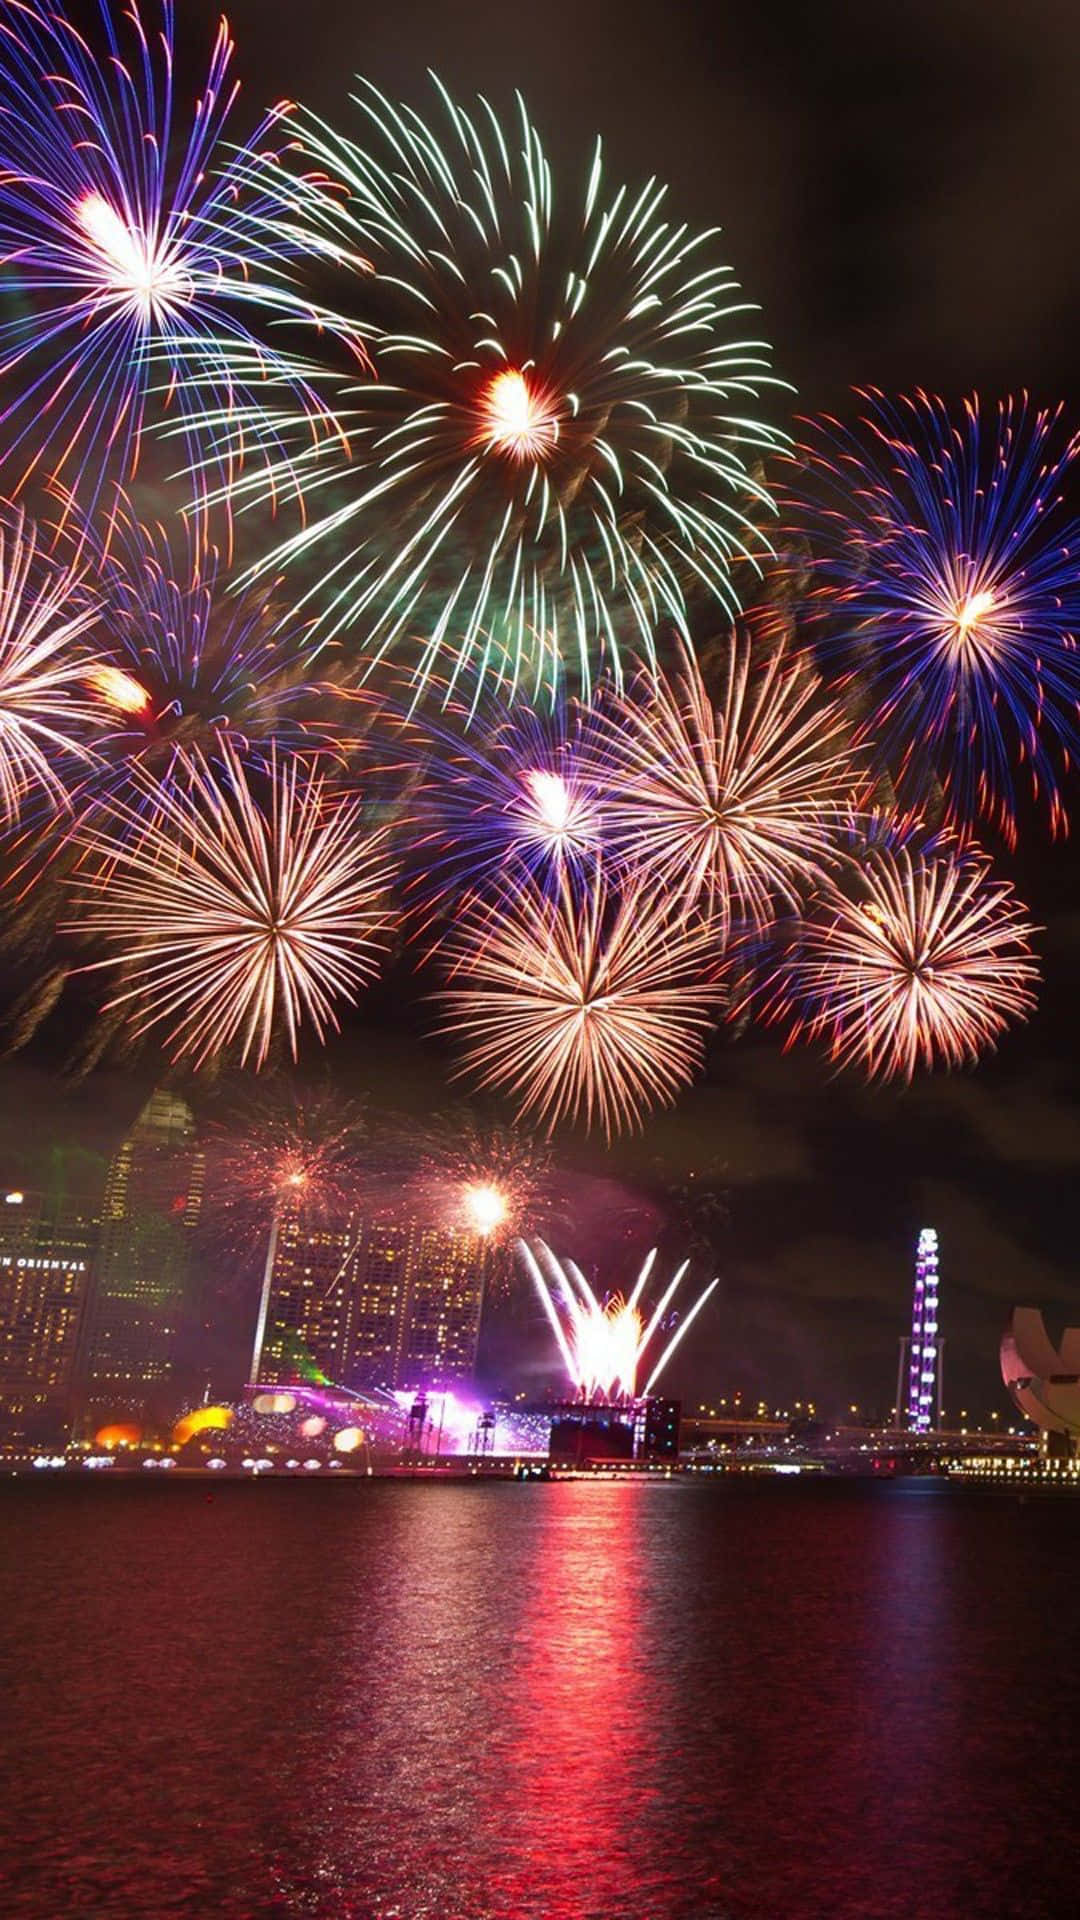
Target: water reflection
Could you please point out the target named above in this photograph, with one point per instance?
(566, 1702)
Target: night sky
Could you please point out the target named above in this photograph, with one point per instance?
(900, 190)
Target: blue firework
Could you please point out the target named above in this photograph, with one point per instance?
(137, 258)
(946, 591)
(516, 793)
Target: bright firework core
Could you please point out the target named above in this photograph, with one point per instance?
(604, 1343)
(137, 268)
(118, 689)
(515, 420)
(486, 1208)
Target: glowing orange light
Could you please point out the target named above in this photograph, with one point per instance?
(119, 689)
(118, 1434)
(515, 419)
(202, 1420)
(348, 1439)
(486, 1208)
(274, 1402)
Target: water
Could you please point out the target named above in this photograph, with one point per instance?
(568, 1702)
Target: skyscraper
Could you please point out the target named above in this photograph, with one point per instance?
(445, 1297)
(153, 1198)
(48, 1241)
(384, 1301)
(311, 1295)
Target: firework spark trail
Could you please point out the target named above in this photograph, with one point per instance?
(560, 442)
(730, 804)
(186, 664)
(591, 1005)
(507, 792)
(232, 918)
(945, 582)
(603, 1344)
(924, 968)
(479, 1174)
(47, 616)
(137, 272)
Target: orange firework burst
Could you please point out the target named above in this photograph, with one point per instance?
(233, 917)
(925, 966)
(733, 802)
(593, 1004)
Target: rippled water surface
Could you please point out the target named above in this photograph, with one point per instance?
(570, 1702)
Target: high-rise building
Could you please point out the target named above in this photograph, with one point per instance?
(311, 1294)
(152, 1202)
(377, 1302)
(445, 1297)
(48, 1241)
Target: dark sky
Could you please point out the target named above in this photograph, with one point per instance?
(900, 189)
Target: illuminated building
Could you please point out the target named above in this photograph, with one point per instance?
(922, 1400)
(47, 1248)
(1044, 1380)
(445, 1295)
(152, 1202)
(311, 1296)
(378, 1304)
(382, 1301)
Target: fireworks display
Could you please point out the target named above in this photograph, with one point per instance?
(733, 802)
(923, 965)
(946, 566)
(141, 260)
(591, 1005)
(187, 664)
(604, 1342)
(234, 918)
(493, 688)
(563, 437)
(481, 1175)
(505, 796)
(46, 661)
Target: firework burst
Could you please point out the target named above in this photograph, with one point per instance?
(46, 716)
(561, 439)
(481, 1175)
(590, 1005)
(293, 1143)
(234, 917)
(187, 665)
(922, 964)
(730, 804)
(604, 1342)
(510, 793)
(134, 272)
(945, 576)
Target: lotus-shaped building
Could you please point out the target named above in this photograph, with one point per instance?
(1044, 1380)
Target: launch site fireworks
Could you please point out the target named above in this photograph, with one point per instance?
(519, 696)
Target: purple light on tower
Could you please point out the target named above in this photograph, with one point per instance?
(925, 1347)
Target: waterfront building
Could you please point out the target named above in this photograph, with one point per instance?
(383, 1301)
(48, 1243)
(139, 1298)
(1044, 1380)
(444, 1301)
